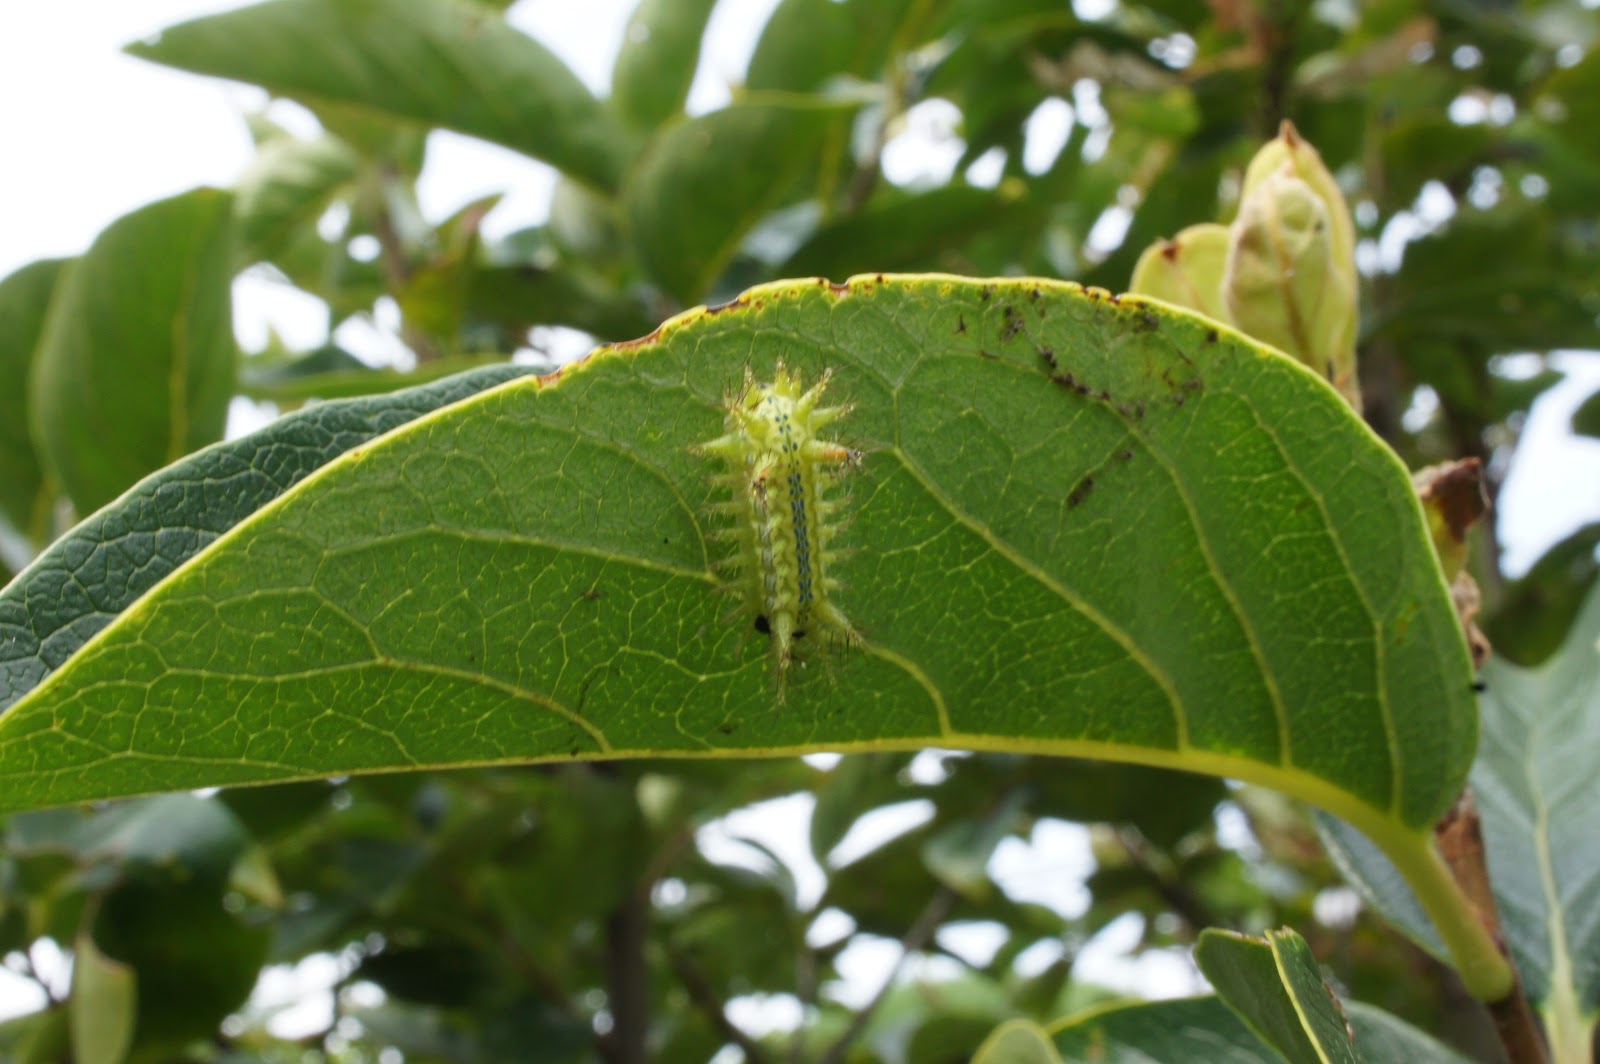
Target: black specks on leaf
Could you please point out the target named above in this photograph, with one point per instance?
(1080, 492)
(1049, 356)
(1013, 324)
(961, 324)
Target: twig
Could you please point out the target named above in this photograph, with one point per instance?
(1460, 839)
(628, 979)
(915, 938)
(705, 999)
(397, 269)
(1173, 890)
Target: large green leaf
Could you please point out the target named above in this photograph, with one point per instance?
(99, 569)
(706, 181)
(1084, 526)
(1534, 782)
(136, 365)
(24, 299)
(441, 62)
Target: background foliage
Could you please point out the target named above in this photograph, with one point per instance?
(1465, 137)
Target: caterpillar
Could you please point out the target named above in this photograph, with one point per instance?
(779, 472)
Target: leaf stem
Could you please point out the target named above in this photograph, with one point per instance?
(1481, 960)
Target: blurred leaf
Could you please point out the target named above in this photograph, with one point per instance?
(442, 62)
(42, 1037)
(1586, 419)
(656, 64)
(330, 372)
(1018, 1042)
(903, 231)
(1425, 145)
(98, 569)
(1187, 270)
(105, 996)
(162, 832)
(24, 300)
(1537, 609)
(287, 187)
(194, 962)
(958, 855)
(448, 974)
(853, 787)
(1571, 99)
(1495, 281)
(517, 297)
(1274, 985)
(806, 42)
(136, 364)
(706, 181)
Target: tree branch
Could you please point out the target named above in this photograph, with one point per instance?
(628, 979)
(916, 937)
(1460, 839)
(705, 999)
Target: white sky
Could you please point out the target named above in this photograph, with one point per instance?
(88, 134)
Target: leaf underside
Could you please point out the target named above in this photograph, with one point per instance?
(1082, 525)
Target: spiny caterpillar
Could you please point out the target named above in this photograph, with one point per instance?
(780, 471)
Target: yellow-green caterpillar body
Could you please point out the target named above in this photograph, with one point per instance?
(780, 472)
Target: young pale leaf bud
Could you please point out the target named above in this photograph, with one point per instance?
(1334, 352)
(1284, 284)
(1187, 270)
(1304, 162)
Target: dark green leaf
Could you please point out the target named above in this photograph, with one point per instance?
(136, 365)
(441, 62)
(102, 566)
(24, 300)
